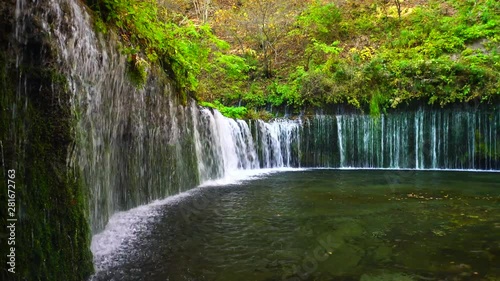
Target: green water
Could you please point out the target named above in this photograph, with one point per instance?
(325, 225)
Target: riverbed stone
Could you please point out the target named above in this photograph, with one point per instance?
(382, 254)
(343, 260)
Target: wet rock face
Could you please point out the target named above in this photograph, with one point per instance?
(52, 241)
(6, 21)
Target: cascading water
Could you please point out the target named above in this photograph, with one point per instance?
(424, 139)
(277, 143)
(137, 145)
(223, 145)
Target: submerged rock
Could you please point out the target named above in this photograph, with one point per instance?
(343, 260)
(349, 230)
(382, 254)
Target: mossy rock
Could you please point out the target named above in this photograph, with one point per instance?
(52, 231)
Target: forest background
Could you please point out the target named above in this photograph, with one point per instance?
(262, 58)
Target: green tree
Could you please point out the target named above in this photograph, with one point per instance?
(260, 25)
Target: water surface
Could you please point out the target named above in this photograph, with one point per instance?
(322, 225)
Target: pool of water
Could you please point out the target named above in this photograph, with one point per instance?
(322, 225)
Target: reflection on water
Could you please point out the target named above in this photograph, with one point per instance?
(323, 225)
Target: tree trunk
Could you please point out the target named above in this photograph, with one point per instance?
(398, 6)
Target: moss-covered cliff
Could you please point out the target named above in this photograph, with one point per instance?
(52, 233)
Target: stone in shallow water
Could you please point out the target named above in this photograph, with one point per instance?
(349, 230)
(343, 260)
(330, 241)
(382, 254)
(417, 256)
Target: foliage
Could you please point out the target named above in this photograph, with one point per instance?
(238, 112)
(377, 55)
(152, 34)
(321, 22)
(371, 54)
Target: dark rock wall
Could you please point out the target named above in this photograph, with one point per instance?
(52, 232)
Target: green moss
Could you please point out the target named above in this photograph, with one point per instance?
(52, 233)
(228, 111)
(375, 105)
(137, 71)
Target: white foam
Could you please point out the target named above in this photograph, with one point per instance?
(122, 228)
(239, 176)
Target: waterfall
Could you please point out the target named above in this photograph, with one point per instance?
(223, 145)
(277, 143)
(421, 139)
(135, 145)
